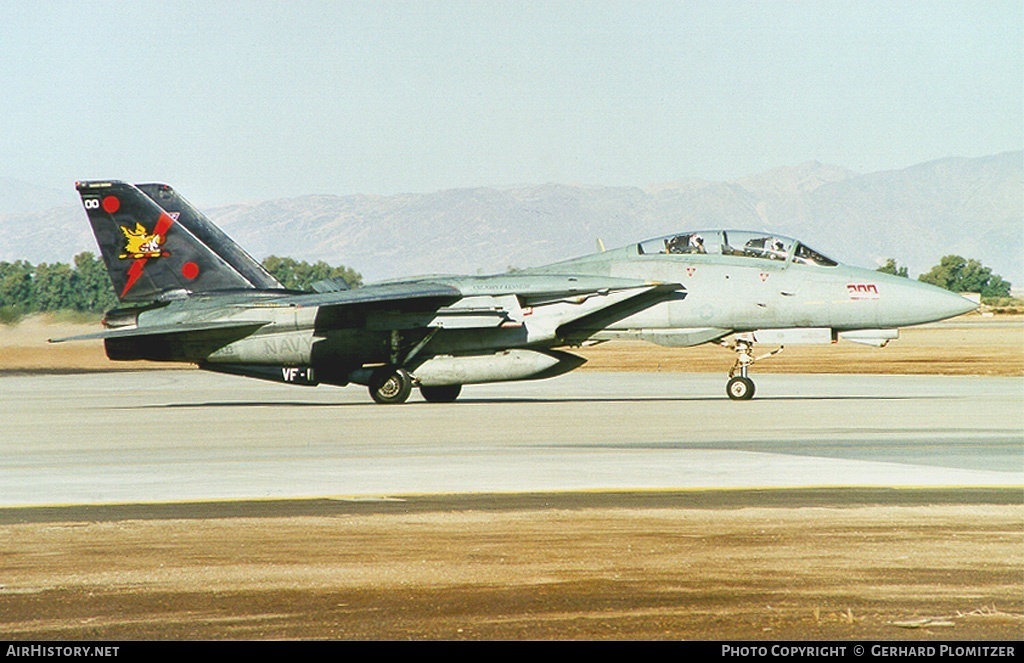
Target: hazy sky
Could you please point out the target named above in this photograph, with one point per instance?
(233, 101)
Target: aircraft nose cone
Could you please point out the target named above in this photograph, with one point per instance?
(959, 305)
(933, 303)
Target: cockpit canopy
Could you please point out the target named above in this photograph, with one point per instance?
(741, 243)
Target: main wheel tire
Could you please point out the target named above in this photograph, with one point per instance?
(442, 394)
(740, 388)
(390, 386)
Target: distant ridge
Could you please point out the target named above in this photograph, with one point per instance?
(17, 196)
(970, 206)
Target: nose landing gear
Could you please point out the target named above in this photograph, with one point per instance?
(740, 387)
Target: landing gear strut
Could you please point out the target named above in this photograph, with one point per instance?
(740, 387)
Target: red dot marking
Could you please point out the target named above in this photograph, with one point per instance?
(111, 204)
(190, 270)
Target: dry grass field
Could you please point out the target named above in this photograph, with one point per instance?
(725, 565)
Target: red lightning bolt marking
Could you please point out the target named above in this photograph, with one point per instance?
(135, 271)
(162, 224)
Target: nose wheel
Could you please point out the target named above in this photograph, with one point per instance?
(740, 387)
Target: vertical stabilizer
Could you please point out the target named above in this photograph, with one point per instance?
(199, 225)
(148, 253)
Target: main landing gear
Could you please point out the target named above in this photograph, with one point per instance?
(441, 394)
(740, 387)
(390, 385)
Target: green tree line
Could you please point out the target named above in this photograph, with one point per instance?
(85, 287)
(80, 286)
(958, 274)
(301, 275)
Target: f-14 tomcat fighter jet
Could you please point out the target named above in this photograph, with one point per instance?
(190, 294)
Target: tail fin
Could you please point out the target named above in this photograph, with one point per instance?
(205, 231)
(149, 252)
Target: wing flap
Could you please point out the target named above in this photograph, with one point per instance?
(412, 296)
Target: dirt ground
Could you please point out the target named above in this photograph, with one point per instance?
(786, 565)
(699, 565)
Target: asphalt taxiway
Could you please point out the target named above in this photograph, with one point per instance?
(157, 436)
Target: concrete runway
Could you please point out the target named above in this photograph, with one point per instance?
(186, 435)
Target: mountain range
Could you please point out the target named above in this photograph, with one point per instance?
(973, 207)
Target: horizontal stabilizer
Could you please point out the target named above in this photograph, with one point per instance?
(164, 330)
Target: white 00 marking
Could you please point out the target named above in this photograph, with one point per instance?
(91, 203)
